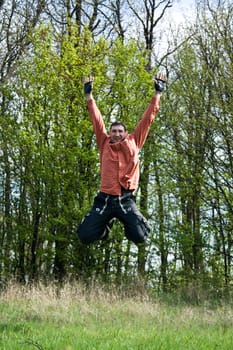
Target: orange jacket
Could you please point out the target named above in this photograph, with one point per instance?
(119, 162)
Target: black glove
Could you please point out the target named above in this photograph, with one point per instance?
(159, 84)
(88, 87)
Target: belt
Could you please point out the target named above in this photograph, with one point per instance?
(123, 191)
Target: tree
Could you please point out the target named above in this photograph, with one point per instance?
(149, 18)
(193, 137)
(14, 29)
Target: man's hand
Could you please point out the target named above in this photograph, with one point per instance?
(88, 85)
(160, 82)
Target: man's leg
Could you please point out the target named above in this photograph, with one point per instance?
(135, 224)
(95, 225)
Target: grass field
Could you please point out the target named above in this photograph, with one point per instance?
(41, 318)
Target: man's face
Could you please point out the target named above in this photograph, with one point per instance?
(117, 133)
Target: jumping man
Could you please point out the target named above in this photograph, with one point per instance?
(119, 170)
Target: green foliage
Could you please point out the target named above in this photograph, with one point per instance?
(56, 165)
(129, 83)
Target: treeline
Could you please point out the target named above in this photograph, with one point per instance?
(49, 163)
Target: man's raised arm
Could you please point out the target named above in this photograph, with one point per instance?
(142, 129)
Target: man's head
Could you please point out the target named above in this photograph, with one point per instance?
(117, 132)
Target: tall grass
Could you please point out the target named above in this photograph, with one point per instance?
(73, 317)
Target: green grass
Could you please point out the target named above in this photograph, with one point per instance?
(38, 318)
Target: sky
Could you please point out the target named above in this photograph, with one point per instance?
(181, 11)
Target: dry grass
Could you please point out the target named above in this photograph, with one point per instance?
(64, 302)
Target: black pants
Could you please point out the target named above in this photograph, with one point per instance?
(107, 207)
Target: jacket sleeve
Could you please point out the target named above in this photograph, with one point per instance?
(97, 122)
(142, 129)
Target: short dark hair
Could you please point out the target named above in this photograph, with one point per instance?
(116, 123)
